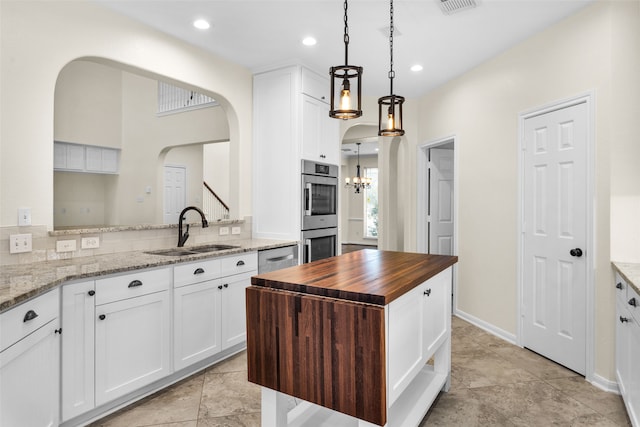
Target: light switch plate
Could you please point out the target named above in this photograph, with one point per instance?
(65, 245)
(19, 243)
(224, 231)
(235, 230)
(90, 242)
(24, 216)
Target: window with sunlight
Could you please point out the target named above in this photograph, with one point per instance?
(371, 205)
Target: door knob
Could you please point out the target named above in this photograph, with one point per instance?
(577, 252)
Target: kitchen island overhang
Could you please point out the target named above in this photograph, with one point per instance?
(352, 333)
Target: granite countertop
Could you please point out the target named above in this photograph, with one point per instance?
(630, 272)
(21, 282)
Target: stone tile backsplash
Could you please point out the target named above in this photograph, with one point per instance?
(113, 240)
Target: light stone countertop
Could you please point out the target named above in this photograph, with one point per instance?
(21, 282)
(630, 272)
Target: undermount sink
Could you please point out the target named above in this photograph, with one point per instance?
(191, 250)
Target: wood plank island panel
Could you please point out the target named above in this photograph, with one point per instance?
(322, 350)
(370, 276)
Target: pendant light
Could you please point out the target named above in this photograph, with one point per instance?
(358, 182)
(347, 76)
(390, 107)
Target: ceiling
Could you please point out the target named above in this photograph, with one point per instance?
(260, 33)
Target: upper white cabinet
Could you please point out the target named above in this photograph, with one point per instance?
(29, 363)
(85, 158)
(291, 122)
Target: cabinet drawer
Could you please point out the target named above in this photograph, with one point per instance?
(239, 264)
(24, 319)
(132, 285)
(195, 272)
(315, 86)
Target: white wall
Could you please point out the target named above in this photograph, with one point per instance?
(581, 53)
(215, 169)
(39, 38)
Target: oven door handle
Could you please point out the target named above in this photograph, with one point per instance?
(307, 248)
(307, 199)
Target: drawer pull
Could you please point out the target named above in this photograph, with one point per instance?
(220, 287)
(239, 263)
(619, 285)
(91, 293)
(427, 292)
(102, 317)
(633, 302)
(623, 319)
(30, 315)
(198, 271)
(135, 283)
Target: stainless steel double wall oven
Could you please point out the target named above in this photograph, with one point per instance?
(319, 210)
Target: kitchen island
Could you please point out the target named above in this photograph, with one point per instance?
(351, 335)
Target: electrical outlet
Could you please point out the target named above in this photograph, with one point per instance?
(19, 243)
(235, 230)
(90, 242)
(65, 245)
(24, 216)
(224, 231)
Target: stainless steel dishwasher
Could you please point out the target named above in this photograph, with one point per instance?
(277, 258)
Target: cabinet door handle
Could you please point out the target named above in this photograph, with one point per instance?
(135, 283)
(58, 331)
(619, 285)
(30, 315)
(623, 319)
(198, 271)
(633, 302)
(220, 287)
(226, 285)
(427, 292)
(91, 293)
(239, 263)
(102, 317)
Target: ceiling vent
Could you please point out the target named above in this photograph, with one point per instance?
(453, 6)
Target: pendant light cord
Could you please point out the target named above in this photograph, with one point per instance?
(392, 74)
(346, 35)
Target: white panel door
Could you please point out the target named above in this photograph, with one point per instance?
(441, 201)
(554, 259)
(175, 194)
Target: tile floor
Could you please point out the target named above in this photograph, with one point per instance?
(493, 384)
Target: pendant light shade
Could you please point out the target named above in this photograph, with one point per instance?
(390, 107)
(346, 92)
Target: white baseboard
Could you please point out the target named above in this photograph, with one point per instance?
(605, 384)
(488, 327)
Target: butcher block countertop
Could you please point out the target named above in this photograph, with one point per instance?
(368, 276)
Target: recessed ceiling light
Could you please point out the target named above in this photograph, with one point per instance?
(309, 41)
(416, 68)
(201, 24)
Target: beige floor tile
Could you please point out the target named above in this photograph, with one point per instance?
(461, 408)
(178, 403)
(228, 393)
(235, 363)
(537, 365)
(247, 420)
(601, 401)
(480, 368)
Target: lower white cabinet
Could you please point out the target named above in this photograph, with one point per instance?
(196, 322)
(628, 348)
(29, 367)
(132, 344)
(78, 340)
(234, 319)
(418, 325)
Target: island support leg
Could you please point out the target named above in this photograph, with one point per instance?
(274, 408)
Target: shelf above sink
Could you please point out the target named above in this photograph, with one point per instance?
(191, 250)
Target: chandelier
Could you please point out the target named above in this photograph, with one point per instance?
(390, 107)
(346, 76)
(358, 182)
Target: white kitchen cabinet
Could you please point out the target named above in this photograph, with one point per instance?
(627, 348)
(85, 158)
(132, 332)
(29, 365)
(77, 381)
(319, 132)
(234, 320)
(418, 326)
(291, 122)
